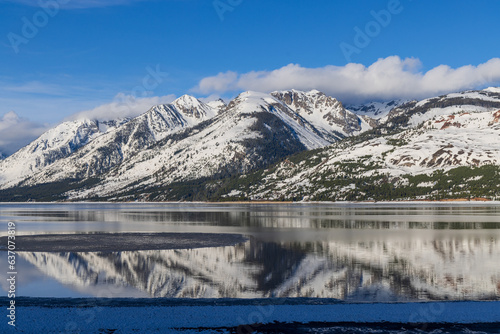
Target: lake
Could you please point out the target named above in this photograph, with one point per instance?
(354, 252)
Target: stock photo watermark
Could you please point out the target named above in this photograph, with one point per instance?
(364, 36)
(11, 273)
(223, 6)
(31, 26)
(427, 313)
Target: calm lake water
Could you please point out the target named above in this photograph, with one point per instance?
(356, 252)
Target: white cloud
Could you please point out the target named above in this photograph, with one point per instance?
(387, 78)
(75, 4)
(222, 82)
(16, 132)
(122, 106)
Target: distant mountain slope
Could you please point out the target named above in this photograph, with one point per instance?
(120, 141)
(375, 110)
(218, 105)
(57, 143)
(415, 112)
(434, 138)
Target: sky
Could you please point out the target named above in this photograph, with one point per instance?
(67, 59)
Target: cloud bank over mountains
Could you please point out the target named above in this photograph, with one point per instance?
(16, 132)
(386, 79)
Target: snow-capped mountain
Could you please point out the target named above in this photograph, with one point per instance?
(189, 139)
(413, 113)
(193, 109)
(57, 143)
(255, 131)
(156, 155)
(109, 143)
(251, 102)
(421, 138)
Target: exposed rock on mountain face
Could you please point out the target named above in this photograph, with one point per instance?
(325, 113)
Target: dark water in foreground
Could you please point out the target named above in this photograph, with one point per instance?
(369, 252)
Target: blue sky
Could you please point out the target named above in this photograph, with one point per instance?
(87, 57)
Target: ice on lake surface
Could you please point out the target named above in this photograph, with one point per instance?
(354, 252)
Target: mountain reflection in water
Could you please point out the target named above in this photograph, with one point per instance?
(358, 252)
(453, 268)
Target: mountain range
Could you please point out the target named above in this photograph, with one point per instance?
(286, 145)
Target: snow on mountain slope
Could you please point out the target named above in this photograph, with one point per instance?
(454, 138)
(376, 110)
(186, 141)
(105, 126)
(53, 145)
(440, 134)
(253, 132)
(249, 102)
(460, 129)
(193, 109)
(218, 105)
(492, 89)
(189, 140)
(412, 113)
(325, 113)
(121, 140)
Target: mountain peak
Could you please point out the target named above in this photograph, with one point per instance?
(187, 100)
(315, 91)
(192, 107)
(492, 89)
(307, 101)
(251, 101)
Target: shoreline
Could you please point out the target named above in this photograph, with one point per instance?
(421, 201)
